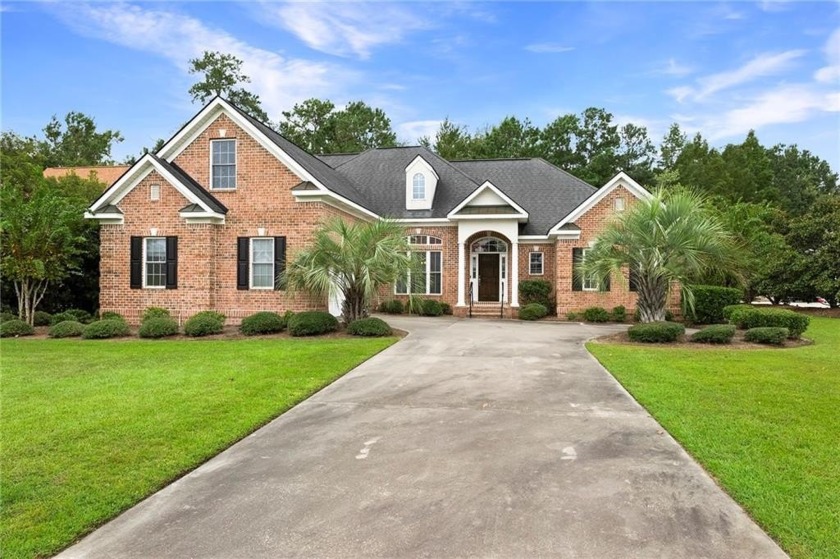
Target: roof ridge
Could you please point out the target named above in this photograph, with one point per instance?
(565, 172)
(485, 159)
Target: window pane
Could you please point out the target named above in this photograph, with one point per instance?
(418, 275)
(536, 263)
(262, 251)
(155, 263)
(434, 261)
(263, 275)
(223, 161)
(418, 187)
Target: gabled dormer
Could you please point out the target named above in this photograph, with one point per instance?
(420, 184)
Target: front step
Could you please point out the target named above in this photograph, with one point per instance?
(489, 310)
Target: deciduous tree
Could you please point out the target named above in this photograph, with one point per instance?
(222, 75)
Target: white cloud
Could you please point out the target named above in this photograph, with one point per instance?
(831, 74)
(412, 131)
(674, 68)
(773, 5)
(761, 66)
(548, 48)
(343, 29)
(279, 81)
(680, 93)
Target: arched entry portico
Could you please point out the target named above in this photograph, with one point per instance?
(488, 262)
(489, 257)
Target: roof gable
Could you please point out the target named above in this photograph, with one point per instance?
(488, 196)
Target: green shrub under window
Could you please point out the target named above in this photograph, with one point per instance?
(618, 314)
(102, 329)
(533, 311)
(370, 327)
(709, 302)
(204, 323)
(596, 314)
(746, 319)
(431, 307)
(572, 316)
(447, 308)
(154, 312)
(66, 329)
(13, 328)
(42, 318)
(535, 291)
(160, 327)
(771, 335)
(264, 322)
(111, 315)
(656, 332)
(312, 323)
(394, 306)
(715, 334)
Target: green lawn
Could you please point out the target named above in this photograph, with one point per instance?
(90, 428)
(764, 423)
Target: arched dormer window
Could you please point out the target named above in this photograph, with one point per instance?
(418, 187)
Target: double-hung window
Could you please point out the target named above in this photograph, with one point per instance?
(418, 187)
(536, 264)
(154, 262)
(426, 275)
(262, 263)
(223, 164)
(585, 282)
(590, 281)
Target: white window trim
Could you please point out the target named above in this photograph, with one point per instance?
(154, 192)
(616, 204)
(584, 279)
(146, 263)
(251, 264)
(235, 164)
(542, 263)
(416, 198)
(428, 273)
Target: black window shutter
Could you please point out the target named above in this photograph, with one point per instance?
(136, 261)
(242, 264)
(279, 261)
(171, 262)
(577, 280)
(634, 279)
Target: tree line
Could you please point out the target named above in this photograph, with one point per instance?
(781, 202)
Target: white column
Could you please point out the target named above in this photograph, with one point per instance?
(514, 275)
(461, 265)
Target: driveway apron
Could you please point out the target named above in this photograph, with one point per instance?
(469, 438)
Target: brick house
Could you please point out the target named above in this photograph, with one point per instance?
(207, 222)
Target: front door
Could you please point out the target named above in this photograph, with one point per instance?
(488, 277)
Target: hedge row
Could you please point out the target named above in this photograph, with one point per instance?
(749, 318)
(709, 302)
(656, 332)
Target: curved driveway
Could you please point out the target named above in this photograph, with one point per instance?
(468, 438)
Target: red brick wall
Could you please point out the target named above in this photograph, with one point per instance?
(207, 253)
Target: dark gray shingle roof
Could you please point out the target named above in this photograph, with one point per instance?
(546, 192)
(192, 185)
(336, 159)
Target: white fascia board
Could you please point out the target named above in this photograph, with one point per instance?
(487, 186)
(436, 221)
(621, 179)
(565, 234)
(117, 219)
(509, 217)
(331, 198)
(205, 118)
(202, 215)
(139, 171)
(425, 164)
(533, 239)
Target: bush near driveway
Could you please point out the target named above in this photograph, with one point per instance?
(370, 326)
(533, 311)
(393, 306)
(746, 319)
(709, 302)
(618, 314)
(596, 314)
(715, 334)
(312, 323)
(656, 332)
(431, 307)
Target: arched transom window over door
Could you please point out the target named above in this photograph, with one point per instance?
(489, 244)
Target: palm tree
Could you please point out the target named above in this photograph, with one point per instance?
(354, 259)
(674, 236)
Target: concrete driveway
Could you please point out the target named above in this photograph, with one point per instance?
(469, 438)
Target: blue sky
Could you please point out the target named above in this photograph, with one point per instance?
(718, 68)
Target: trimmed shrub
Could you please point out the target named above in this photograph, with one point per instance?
(656, 332)
(370, 326)
(63, 317)
(618, 314)
(14, 328)
(717, 334)
(572, 316)
(535, 291)
(771, 335)
(6, 316)
(312, 323)
(66, 329)
(102, 329)
(154, 312)
(80, 315)
(447, 308)
(264, 322)
(746, 319)
(729, 309)
(395, 306)
(532, 311)
(111, 315)
(158, 328)
(430, 307)
(596, 314)
(637, 315)
(709, 302)
(204, 323)
(42, 318)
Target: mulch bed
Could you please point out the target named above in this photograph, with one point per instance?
(683, 342)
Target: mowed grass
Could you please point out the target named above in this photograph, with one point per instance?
(90, 428)
(764, 423)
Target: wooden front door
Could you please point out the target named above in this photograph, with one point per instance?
(488, 277)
